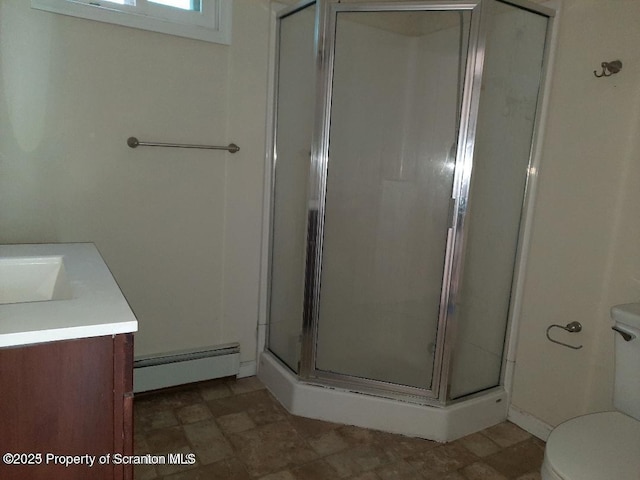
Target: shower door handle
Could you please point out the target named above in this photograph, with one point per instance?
(451, 221)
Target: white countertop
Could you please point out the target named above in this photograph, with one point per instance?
(96, 307)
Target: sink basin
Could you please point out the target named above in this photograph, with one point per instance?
(87, 300)
(33, 279)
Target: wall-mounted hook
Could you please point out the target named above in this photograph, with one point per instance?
(572, 327)
(609, 68)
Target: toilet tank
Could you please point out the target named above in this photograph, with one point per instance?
(626, 396)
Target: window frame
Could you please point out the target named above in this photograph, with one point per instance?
(211, 24)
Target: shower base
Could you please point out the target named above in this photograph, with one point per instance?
(441, 424)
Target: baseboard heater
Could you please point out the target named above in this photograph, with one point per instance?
(153, 372)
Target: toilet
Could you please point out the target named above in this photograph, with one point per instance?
(604, 446)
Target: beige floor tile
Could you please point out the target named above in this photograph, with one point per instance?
(214, 390)
(431, 475)
(271, 448)
(144, 472)
(224, 406)
(282, 475)
(357, 460)
(309, 427)
(244, 385)
(530, 476)
(328, 443)
(166, 440)
(200, 433)
(537, 441)
(238, 403)
(209, 444)
(481, 471)
(229, 469)
(479, 444)
(366, 476)
(399, 470)
(193, 413)
(400, 447)
(317, 470)
(214, 451)
(239, 431)
(140, 443)
(251, 399)
(235, 422)
(343, 465)
(443, 459)
(169, 399)
(267, 411)
(170, 469)
(517, 460)
(506, 434)
(357, 435)
(147, 419)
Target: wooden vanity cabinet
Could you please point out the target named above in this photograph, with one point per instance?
(71, 397)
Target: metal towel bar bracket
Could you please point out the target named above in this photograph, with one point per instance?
(133, 142)
(572, 327)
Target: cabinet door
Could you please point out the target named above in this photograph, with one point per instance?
(59, 398)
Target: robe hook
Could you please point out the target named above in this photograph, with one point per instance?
(609, 68)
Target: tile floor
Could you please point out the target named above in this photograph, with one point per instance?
(238, 431)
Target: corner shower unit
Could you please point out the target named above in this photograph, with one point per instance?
(403, 135)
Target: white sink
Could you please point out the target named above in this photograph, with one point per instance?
(33, 279)
(88, 302)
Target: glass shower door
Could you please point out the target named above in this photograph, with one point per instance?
(511, 82)
(396, 82)
(295, 96)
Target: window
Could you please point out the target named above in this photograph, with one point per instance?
(208, 20)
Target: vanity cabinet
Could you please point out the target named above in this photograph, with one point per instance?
(72, 398)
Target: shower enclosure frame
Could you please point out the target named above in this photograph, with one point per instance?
(454, 255)
(318, 182)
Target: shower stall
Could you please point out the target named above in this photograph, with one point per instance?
(402, 162)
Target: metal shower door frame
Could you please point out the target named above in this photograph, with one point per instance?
(272, 147)
(327, 15)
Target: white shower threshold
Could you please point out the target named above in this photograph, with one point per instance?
(442, 424)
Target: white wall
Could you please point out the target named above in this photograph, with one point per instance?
(247, 105)
(180, 229)
(585, 248)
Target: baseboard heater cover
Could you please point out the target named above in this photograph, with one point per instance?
(153, 372)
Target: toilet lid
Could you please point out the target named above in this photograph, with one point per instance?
(596, 447)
